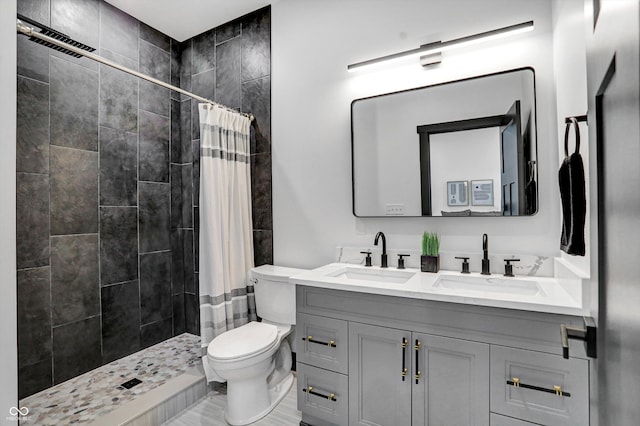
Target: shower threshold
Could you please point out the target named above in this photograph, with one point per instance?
(161, 381)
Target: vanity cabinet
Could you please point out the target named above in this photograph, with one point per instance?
(399, 377)
(359, 355)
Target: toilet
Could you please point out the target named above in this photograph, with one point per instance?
(255, 359)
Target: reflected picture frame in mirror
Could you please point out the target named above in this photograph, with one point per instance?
(408, 146)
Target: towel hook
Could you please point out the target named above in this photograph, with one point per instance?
(574, 121)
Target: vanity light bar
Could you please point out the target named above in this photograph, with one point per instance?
(437, 47)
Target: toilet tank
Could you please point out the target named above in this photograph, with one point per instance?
(275, 297)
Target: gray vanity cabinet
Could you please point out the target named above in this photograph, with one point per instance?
(359, 354)
(397, 377)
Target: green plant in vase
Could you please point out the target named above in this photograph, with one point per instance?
(430, 259)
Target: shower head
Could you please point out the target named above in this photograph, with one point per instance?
(28, 31)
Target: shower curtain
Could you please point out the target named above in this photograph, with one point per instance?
(226, 233)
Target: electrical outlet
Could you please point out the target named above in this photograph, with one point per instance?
(394, 209)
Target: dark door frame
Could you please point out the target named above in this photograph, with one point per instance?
(425, 132)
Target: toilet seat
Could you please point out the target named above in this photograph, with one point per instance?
(243, 342)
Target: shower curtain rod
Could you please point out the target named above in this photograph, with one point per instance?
(28, 31)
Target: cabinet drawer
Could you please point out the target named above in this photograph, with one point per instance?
(322, 342)
(498, 420)
(535, 399)
(323, 394)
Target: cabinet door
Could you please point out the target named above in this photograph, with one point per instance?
(379, 393)
(450, 381)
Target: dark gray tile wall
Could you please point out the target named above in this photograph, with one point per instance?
(75, 278)
(118, 167)
(120, 320)
(230, 64)
(118, 244)
(33, 127)
(108, 182)
(73, 124)
(94, 186)
(76, 348)
(74, 191)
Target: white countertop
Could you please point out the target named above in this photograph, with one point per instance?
(557, 295)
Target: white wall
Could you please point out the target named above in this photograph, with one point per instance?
(570, 64)
(8, 304)
(312, 44)
(454, 156)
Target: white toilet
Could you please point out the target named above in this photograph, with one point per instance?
(255, 359)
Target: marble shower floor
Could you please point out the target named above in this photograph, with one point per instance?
(86, 398)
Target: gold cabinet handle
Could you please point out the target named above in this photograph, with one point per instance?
(517, 383)
(417, 347)
(404, 345)
(310, 391)
(330, 343)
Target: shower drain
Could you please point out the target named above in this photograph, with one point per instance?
(130, 383)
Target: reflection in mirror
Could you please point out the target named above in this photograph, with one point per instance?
(465, 148)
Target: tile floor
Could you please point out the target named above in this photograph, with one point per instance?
(210, 412)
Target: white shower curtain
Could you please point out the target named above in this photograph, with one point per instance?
(226, 233)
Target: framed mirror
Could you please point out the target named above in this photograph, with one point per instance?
(462, 148)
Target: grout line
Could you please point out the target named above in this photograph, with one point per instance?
(100, 113)
(32, 173)
(252, 80)
(86, 234)
(138, 203)
(34, 79)
(119, 283)
(50, 251)
(75, 321)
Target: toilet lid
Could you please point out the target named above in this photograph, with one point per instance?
(243, 341)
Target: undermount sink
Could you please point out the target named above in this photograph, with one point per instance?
(375, 274)
(489, 285)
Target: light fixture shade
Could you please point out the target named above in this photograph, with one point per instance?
(431, 48)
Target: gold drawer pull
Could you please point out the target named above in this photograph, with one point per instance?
(310, 391)
(330, 343)
(404, 373)
(515, 382)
